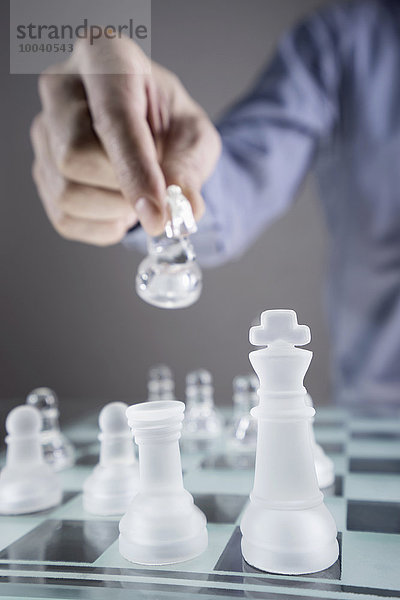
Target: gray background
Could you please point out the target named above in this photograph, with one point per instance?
(70, 318)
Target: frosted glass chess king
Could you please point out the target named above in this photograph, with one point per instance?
(169, 277)
(57, 449)
(324, 466)
(162, 524)
(286, 527)
(27, 482)
(114, 481)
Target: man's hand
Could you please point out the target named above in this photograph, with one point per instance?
(106, 146)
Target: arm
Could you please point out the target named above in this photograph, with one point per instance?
(269, 138)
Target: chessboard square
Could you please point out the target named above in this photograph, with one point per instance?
(340, 462)
(11, 529)
(384, 436)
(221, 508)
(333, 447)
(374, 465)
(338, 508)
(376, 448)
(55, 540)
(374, 425)
(336, 489)
(322, 422)
(378, 517)
(330, 435)
(369, 562)
(373, 486)
(331, 412)
(223, 462)
(73, 479)
(89, 456)
(231, 560)
(227, 481)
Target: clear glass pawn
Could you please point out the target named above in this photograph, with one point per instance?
(169, 277)
(160, 384)
(244, 399)
(58, 451)
(203, 424)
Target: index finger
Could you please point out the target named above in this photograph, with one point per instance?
(118, 106)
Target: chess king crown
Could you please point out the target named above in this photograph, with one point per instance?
(280, 366)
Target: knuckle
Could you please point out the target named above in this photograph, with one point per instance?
(66, 160)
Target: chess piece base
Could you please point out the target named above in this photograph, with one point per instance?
(28, 491)
(162, 530)
(109, 491)
(289, 542)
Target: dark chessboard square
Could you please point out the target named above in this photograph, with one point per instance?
(332, 447)
(321, 423)
(376, 412)
(235, 461)
(220, 508)
(67, 496)
(376, 517)
(376, 435)
(88, 460)
(374, 465)
(64, 541)
(232, 560)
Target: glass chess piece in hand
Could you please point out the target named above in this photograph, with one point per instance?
(169, 277)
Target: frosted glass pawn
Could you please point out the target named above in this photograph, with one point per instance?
(58, 450)
(27, 482)
(162, 524)
(170, 277)
(113, 483)
(286, 527)
(324, 466)
(203, 424)
(160, 384)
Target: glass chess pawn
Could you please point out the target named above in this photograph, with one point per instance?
(160, 384)
(243, 442)
(203, 425)
(169, 277)
(58, 451)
